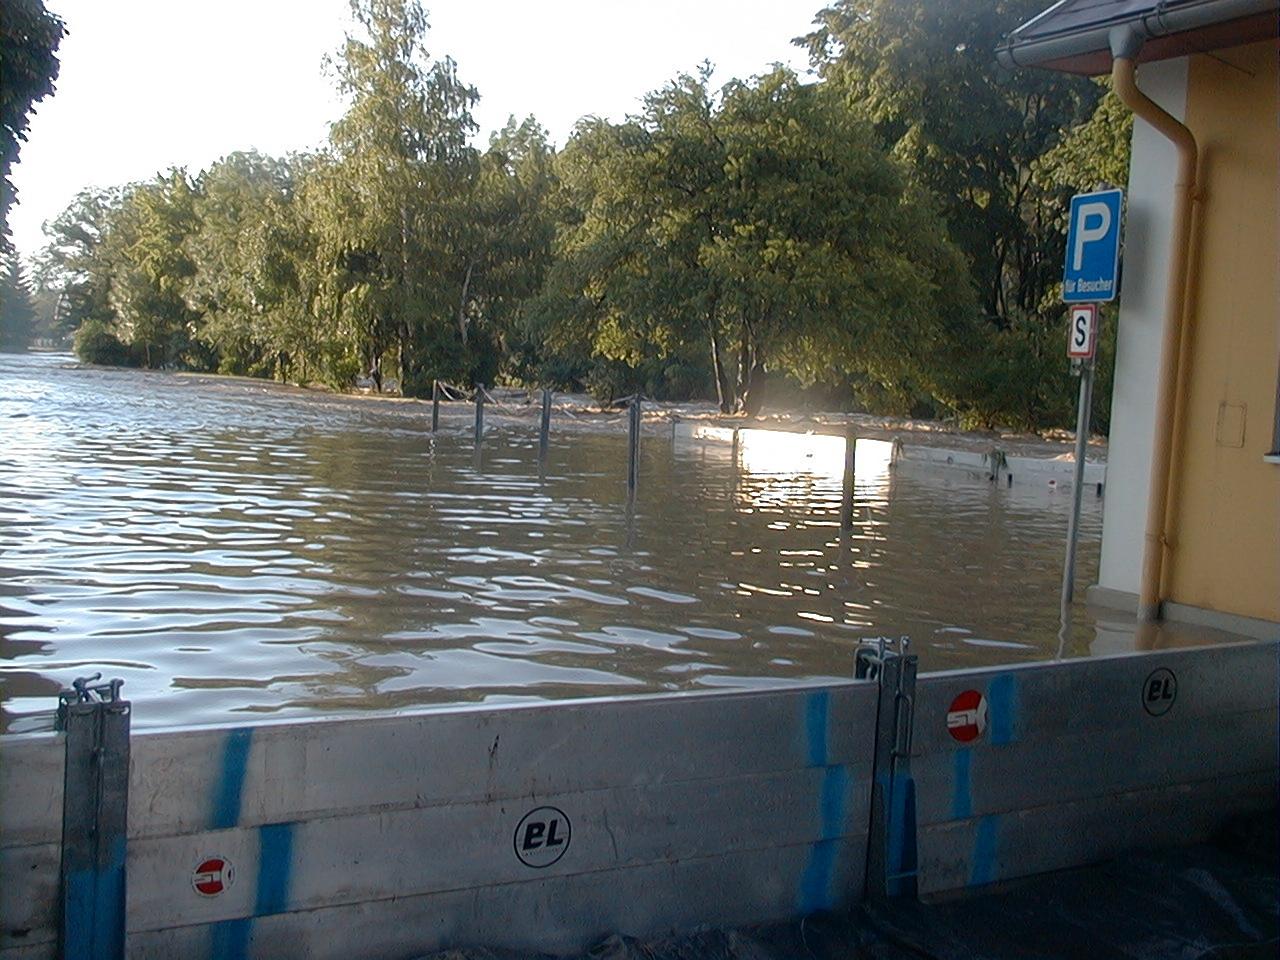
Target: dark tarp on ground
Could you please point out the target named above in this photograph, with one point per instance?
(1218, 901)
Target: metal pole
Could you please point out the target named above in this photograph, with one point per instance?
(95, 805)
(1077, 488)
(544, 433)
(846, 498)
(479, 412)
(633, 445)
(435, 405)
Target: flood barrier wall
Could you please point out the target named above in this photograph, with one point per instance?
(537, 827)
(546, 827)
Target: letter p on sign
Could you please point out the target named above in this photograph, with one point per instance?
(1093, 223)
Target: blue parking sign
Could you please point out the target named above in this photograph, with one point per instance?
(1093, 247)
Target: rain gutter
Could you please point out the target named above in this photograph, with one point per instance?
(1161, 21)
(1126, 42)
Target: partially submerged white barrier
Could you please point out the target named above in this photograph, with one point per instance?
(539, 827)
(544, 827)
(993, 464)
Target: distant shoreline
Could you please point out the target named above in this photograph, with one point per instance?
(581, 412)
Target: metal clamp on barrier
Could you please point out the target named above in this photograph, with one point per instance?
(94, 819)
(891, 854)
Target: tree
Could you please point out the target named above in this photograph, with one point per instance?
(151, 272)
(501, 236)
(764, 219)
(251, 251)
(926, 76)
(400, 154)
(17, 316)
(29, 38)
(75, 262)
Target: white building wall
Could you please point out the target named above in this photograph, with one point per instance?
(1152, 171)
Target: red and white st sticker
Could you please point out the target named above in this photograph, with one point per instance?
(212, 876)
(967, 718)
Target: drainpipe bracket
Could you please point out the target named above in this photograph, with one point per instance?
(1126, 41)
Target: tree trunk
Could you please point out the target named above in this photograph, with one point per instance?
(462, 304)
(754, 397)
(722, 386)
(745, 364)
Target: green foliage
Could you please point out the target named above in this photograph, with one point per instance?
(17, 315)
(761, 226)
(29, 38)
(254, 258)
(890, 236)
(1002, 151)
(1092, 155)
(390, 207)
(96, 342)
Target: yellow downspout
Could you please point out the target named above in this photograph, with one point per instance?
(1124, 49)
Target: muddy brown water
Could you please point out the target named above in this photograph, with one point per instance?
(235, 550)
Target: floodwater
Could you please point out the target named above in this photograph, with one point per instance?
(236, 550)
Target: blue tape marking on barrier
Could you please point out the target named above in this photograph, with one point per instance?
(94, 909)
(235, 762)
(961, 785)
(815, 885)
(275, 864)
(78, 914)
(110, 917)
(816, 882)
(816, 709)
(985, 840)
(1002, 700)
(900, 858)
(229, 939)
(835, 789)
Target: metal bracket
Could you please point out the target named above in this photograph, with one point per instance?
(891, 854)
(95, 808)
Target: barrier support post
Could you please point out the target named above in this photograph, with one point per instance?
(95, 809)
(891, 848)
(435, 405)
(479, 412)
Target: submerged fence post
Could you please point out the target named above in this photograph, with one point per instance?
(435, 405)
(634, 416)
(544, 433)
(479, 412)
(95, 805)
(846, 498)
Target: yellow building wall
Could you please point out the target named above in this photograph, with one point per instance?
(1226, 532)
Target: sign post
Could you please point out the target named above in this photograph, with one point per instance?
(1090, 276)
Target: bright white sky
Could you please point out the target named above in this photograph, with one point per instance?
(149, 84)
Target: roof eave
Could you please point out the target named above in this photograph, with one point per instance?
(1088, 50)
